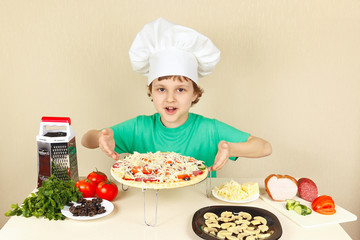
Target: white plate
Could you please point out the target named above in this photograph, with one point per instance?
(246, 200)
(109, 207)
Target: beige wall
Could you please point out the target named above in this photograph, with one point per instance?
(290, 73)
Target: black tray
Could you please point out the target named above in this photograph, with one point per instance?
(199, 221)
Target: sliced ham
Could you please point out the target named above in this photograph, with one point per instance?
(307, 189)
(281, 187)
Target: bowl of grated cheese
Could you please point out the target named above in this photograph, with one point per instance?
(237, 193)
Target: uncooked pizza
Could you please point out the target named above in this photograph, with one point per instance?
(159, 170)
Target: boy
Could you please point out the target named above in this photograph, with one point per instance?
(173, 57)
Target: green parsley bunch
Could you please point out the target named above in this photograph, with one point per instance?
(48, 201)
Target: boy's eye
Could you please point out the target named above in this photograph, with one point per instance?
(181, 90)
(161, 89)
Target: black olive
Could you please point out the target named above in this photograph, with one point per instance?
(87, 207)
(72, 209)
(186, 179)
(101, 211)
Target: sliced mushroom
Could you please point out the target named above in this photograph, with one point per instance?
(255, 222)
(225, 219)
(252, 232)
(210, 215)
(250, 238)
(242, 227)
(227, 225)
(242, 221)
(213, 233)
(223, 234)
(211, 220)
(241, 224)
(263, 228)
(210, 230)
(261, 219)
(234, 230)
(236, 217)
(245, 215)
(213, 225)
(263, 236)
(207, 229)
(227, 214)
(241, 236)
(232, 238)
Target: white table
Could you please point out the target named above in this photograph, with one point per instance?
(175, 211)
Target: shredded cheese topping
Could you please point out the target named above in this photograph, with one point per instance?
(159, 166)
(234, 191)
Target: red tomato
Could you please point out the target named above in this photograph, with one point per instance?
(324, 205)
(326, 211)
(166, 172)
(86, 187)
(136, 169)
(323, 201)
(144, 170)
(183, 176)
(96, 177)
(107, 190)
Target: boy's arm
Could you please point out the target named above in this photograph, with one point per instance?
(254, 147)
(91, 139)
(103, 139)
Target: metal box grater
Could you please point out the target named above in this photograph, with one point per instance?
(56, 149)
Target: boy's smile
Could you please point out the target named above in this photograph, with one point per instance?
(172, 99)
(170, 110)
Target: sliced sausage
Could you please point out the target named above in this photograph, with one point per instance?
(307, 189)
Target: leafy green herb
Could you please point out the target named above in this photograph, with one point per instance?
(48, 201)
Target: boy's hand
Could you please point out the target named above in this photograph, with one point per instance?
(107, 143)
(221, 157)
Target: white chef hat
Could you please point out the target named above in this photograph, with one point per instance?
(163, 48)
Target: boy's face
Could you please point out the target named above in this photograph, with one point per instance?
(172, 98)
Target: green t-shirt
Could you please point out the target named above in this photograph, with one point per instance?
(198, 137)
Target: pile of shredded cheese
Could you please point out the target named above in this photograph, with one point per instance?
(234, 191)
(168, 165)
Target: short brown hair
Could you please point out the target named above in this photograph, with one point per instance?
(197, 89)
